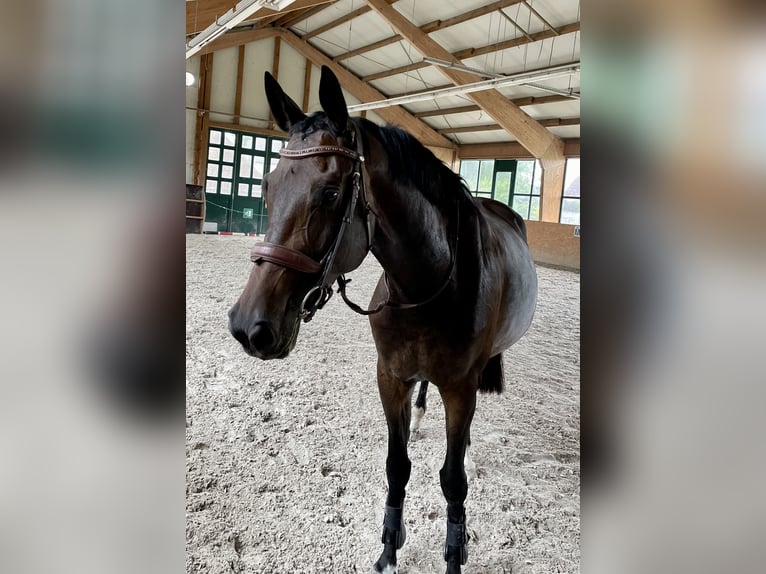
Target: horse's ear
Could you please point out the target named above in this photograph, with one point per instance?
(285, 111)
(332, 100)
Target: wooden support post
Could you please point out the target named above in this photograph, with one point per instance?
(552, 188)
(203, 118)
(275, 72)
(238, 93)
(307, 85)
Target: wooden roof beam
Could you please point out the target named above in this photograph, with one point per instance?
(548, 123)
(342, 20)
(513, 43)
(473, 52)
(528, 101)
(510, 150)
(526, 130)
(432, 27)
(366, 93)
(292, 18)
(233, 39)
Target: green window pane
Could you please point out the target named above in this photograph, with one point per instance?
(534, 208)
(247, 142)
(570, 211)
(215, 137)
(485, 175)
(524, 172)
(260, 144)
(227, 171)
(243, 190)
(469, 170)
(503, 186)
(228, 155)
(276, 145)
(225, 188)
(229, 138)
(212, 170)
(214, 153)
(521, 205)
(211, 186)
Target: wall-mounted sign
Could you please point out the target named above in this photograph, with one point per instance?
(577, 231)
(247, 213)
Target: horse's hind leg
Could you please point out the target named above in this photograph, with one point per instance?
(395, 395)
(420, 408)
(459, 408)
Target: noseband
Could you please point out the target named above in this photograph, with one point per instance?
(292, 259)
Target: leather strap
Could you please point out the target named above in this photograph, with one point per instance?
(284, 256)
(320, 150)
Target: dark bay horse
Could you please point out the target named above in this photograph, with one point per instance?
(458, 288)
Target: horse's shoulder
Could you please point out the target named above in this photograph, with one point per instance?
(505, 213)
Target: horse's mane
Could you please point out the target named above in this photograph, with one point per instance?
(415, 164)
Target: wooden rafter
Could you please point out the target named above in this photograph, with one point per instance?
(505, 44)
(201, 13)
(473, 52)
(233, 39)
(342, 20)
(366, 93)
(510, 150)
(547, 122)
(299, 15)
(432, 27)
(528, 101)
(527, 131)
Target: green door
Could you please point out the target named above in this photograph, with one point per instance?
(237, 162)
(502, 183)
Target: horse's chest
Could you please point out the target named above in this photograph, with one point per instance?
(414, 352)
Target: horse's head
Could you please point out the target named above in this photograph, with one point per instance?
(308, 196)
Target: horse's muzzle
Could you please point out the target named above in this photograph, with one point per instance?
(258, 339)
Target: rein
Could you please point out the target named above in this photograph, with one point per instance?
(293, 259)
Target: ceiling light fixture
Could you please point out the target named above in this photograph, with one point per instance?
(236, 15)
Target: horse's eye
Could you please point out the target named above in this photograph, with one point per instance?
(329, 196)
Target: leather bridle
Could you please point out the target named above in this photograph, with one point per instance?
(293, 259)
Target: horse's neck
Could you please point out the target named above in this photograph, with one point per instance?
(410, 239)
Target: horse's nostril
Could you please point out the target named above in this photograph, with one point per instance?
(240, 336)
(262, 337)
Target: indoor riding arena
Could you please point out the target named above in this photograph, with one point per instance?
(287, 458)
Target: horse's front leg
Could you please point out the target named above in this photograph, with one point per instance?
(395, 395)
(459, 407)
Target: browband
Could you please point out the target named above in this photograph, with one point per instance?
(321, 150)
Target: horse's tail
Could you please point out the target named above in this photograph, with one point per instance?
(491, 378)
